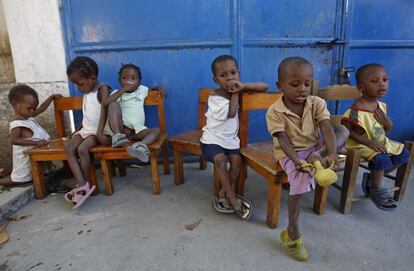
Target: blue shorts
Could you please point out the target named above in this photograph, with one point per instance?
(384, 161)
(211, 150)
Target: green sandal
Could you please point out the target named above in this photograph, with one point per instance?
(295, 248)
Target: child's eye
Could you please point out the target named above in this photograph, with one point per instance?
(294, 84)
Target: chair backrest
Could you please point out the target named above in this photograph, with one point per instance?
(336, 93)
(254, 101)
(63, 104)
(203, 95)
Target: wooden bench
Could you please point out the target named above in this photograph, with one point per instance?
(260, 157)
(55, 151)
(189, 141)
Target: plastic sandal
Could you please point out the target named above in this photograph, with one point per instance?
(78, 195)
(295, 248)
(119, 140)
(378, 197)
(243, 213)
(222, 205)
(139, 151)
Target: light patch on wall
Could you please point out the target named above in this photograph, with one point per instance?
(92, 33)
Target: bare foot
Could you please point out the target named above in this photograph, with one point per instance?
(8, 182)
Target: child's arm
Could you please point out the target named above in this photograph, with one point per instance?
(104, 94)
(112, 98)
(238, 86)
(45, 104)
(330, 141)
(357, 135)
(287, 147)
(234, 105)
(17, 139)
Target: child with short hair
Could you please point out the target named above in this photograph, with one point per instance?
(219, 141)
(294, 121)
(83, 72)
(368, 123)
(126, 114)
(25, 132)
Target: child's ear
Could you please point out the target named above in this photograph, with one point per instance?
(360, 87)
(93, 77)
(215, 79)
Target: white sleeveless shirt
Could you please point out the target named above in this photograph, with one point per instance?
(22, 170)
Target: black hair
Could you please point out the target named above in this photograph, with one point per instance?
(17, 92)
(129, 66)
(360, 73)
(220, 59)
(86, 66)
(289, 61)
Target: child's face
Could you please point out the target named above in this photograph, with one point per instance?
(296, 83)
(226, 72)
(129, 76)
(374, 83)
(26, 107)
(84, 85)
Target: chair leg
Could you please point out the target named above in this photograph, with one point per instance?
(349, 180)
(92, 179)
(203, 163)
(178, 167)
(319, 202)
(112, 167)
(165, 160)
(39, 182)
(121, 167)
(403, 172)
(273, 203)
(107, 177)
(155, 174)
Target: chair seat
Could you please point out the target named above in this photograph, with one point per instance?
(187, 142)
(262, 154)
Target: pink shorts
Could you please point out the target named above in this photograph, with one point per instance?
(300, 182)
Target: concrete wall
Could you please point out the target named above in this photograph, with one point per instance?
(35, 35)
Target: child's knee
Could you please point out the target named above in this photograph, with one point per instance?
(156, 131)
(380, 162)
(83, 151)
(220, 161)
(342, 131)
(70, 148)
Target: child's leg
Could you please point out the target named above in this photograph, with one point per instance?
(85, 156)
(294, 205)
(115, 118)
(146, 136)
(220, 166)
(234, 170)
(341, 134)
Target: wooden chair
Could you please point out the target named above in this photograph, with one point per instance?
(106, 154)
(260, 157)
(353, 158)
(55, 151)
(189, 142)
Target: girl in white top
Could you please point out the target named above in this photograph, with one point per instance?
(25, 132)
(219, 141)
(83, 72)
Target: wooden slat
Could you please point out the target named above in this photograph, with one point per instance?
(257, 101)
(339, 93)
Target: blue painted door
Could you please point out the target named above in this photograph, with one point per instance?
(381, 31)
(174, 42)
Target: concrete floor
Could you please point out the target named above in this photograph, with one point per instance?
(136, 230)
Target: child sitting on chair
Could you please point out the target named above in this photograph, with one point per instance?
(126, 114)
(294, 122)
(25, 132)
(83, 72)
(368, 123)
(219, 141)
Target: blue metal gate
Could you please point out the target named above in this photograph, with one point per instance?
(174, 42)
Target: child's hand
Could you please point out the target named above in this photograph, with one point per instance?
(41, 143)
(332, 161)
(235, 86)
(299, 164)
(54, 96)
(377, 147)
(131, 85)
(382, 118)
(103, 139)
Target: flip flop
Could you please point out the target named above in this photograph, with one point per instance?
(139, 151)
(247, 203)
(56, 188)
(78, 195)
(220, 205)
(238, 210)
(380, 197)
